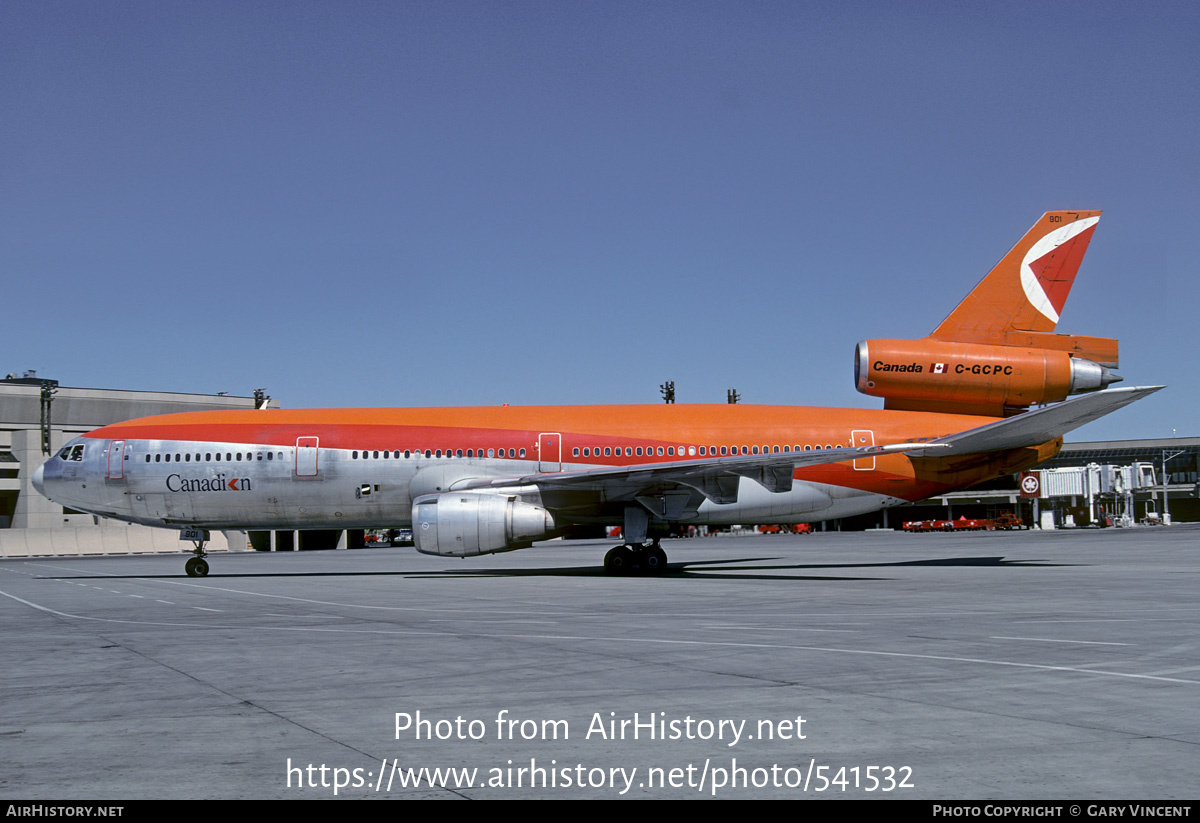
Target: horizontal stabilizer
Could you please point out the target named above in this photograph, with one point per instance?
(1041, 425)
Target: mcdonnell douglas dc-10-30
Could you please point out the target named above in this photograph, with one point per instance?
(958, 409)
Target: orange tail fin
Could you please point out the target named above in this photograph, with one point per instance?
(1026, 290)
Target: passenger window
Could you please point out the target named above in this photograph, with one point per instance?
(575, 452)
(522, 452)
(513, 453)
(629, 451)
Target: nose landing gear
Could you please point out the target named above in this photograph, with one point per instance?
(196, 566)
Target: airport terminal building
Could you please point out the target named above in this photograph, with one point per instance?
(37, 416)
(1118, 482)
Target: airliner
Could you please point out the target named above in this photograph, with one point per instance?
(990, 392)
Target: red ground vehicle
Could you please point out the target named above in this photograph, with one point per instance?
(1008, 520)
(796, 528)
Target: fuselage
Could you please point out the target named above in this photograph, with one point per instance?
(363, 468)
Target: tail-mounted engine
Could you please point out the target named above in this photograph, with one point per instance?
(464, 524)
(974, 378)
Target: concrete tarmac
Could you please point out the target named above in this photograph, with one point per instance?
(999, 665)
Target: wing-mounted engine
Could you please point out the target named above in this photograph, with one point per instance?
(974, 378)
(464, 524)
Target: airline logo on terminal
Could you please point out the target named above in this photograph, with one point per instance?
(178, 483)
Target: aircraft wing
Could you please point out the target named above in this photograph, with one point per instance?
(1041, 425)
(717, 478)
(714, 477)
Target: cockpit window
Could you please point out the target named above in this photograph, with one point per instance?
(76, 453)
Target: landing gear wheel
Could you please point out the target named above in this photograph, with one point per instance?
(619, 560)
(196, 567)
(654, 560)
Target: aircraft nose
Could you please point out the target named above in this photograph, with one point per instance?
(37, 479)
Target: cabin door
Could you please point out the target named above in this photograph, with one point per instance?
(116, 460)
(863, 437)
(306, 456)
(549, 452)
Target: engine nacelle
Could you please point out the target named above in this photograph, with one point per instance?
(971, 377)
(464, 524)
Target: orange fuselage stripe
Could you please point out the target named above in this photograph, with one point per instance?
(582, 427)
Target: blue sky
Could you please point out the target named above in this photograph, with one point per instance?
(475, 203)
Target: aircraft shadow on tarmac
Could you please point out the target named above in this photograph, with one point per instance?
(738, 570)
(694, 570)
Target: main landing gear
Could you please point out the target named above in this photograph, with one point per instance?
(636, 559)
(197, 566)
